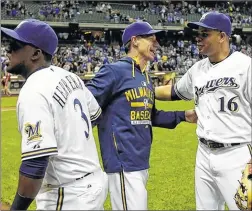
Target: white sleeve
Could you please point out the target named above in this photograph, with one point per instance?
(184, 87)
(93, 106)
(249, 84)
(36, 125)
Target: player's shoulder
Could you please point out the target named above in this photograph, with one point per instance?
(109, 67)
(42, 80)
(62, 74)
(50, 74)
(198, 66)
(241, 58)
(120, 64)
(202, 62)
(45, 73)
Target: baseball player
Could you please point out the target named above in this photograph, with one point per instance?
(5, 81)
(54, 111)
(6, 84)
(125, 93)
(221, 88)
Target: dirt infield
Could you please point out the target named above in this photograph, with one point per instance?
(4, 207)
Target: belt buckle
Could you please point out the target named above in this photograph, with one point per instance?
(208, 145)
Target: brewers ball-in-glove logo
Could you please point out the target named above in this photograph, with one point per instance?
(204, 16)
(33, 132)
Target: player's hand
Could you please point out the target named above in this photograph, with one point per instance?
(191, 116)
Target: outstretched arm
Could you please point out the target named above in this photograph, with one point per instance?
(166, 92)
(163, 92)
(170, 119)
(102, 85)
(183, 89)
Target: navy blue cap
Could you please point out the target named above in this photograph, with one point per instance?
(136, 29)
(34, 32)
(213, 20)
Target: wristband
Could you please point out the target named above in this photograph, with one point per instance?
(21, 203)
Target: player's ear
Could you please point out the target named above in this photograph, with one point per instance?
(134, 41)
(36, 54)
(223, 36)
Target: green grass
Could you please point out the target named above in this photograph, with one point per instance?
(171, 180)
(8, 102)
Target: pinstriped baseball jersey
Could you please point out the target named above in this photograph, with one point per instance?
(222, 95)
(54, 112)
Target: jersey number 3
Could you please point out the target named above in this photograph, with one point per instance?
(83, 115)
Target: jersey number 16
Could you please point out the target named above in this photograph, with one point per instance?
(231, 104)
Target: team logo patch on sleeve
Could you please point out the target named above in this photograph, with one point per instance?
(33, 132)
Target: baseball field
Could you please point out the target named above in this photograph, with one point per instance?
(171, 175)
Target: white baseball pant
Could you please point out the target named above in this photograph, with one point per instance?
(88, 193)
(217, 173)
(128, 190)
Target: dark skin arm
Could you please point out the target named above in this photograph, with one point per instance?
(28, 187)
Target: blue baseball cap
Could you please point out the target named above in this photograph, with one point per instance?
(213, 20)
(136, 29)
(36, 33)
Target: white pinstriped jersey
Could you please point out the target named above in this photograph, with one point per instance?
(222, 95)
(54, 109)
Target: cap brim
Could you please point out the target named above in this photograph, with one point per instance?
(13, 34)
(153, 32)
(196, 25)
(147, 33)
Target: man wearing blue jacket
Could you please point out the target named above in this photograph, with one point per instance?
(126, 95)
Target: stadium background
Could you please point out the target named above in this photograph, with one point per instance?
(89, 36)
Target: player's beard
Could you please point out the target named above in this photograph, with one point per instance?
(19, 69)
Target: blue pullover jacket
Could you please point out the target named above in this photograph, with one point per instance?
(126, 97)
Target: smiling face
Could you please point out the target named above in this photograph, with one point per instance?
(146, 46)
(209, 41)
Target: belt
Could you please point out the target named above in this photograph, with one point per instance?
(215, 145)
(83, 176)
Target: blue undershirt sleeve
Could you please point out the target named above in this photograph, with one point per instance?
(34, 168)
(174, 96)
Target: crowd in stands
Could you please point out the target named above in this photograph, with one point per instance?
(15, 8)
(169, 12)
(175, 12)
(59, 10)
(177, 56)
(63, 10)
